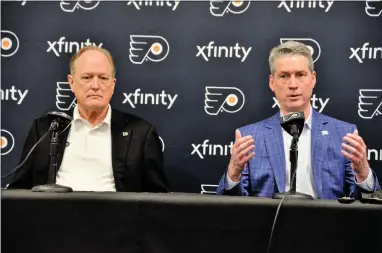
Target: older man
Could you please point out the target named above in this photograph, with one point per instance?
(330, 165)
(103, 149)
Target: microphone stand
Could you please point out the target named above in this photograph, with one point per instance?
(51, 186)
(293, 158)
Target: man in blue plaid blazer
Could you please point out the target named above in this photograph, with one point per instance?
(332, 159)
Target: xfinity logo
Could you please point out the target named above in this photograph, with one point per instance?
(369, 103)
(212, 51)
(68, 47)
(374, 154)
(366, 52)
(205, 149)
(138, 97)
(300, 4)
(317, 103)
(160, 3)
(13, 94)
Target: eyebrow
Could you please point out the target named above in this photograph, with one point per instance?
(90, 73)
(288, 72)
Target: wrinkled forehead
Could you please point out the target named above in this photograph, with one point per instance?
(291, 64)
(93, 61)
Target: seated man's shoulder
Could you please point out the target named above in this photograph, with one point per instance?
(42, 121)
(131, 119)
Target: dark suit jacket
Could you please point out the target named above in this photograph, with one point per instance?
(137, 158)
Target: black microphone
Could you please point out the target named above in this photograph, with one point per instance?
(293, 123)
(60, 119)
(60, 115)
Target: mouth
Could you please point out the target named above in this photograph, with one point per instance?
(294, 96)
(94, 96)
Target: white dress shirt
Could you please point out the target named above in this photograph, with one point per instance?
(305, 180)
(87, 162)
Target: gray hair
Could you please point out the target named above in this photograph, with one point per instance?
(290, 48)
(87, 48)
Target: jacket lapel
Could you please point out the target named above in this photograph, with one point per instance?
(275, 147)
(61, 148)
(121, 133)
(320, 139)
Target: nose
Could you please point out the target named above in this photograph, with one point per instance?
(95, 83)
(293, 82)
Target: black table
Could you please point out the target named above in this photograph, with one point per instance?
(179, 223)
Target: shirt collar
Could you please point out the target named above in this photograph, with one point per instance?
(308, 121)
(77, 117)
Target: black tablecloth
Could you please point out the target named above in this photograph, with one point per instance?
(177, 223)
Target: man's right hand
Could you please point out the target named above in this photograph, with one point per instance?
(241, 154)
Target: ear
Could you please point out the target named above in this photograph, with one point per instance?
(114, 82)
(314, 79)
(271, 85)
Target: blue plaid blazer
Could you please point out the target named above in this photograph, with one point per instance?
(265, 173)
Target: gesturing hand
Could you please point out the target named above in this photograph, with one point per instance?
(242, 152)
(356, 152)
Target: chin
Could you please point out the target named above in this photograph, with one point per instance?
(95, 106)
(295, 107)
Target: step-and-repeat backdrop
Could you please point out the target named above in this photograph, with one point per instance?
(196, 70)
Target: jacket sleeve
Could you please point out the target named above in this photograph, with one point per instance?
(153, 179)
(23, 177)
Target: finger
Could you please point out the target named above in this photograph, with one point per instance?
(356, 138)
(352, 142)
(237, 150)
(237, 135)
(346, 154)
(242, 140)
(351, 157)
(245, 145)
(350, 149)
(355, 131)
(246, 151)
(361, 148)
(246, 158)
(359, 154)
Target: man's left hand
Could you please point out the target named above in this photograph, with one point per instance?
(356, 152)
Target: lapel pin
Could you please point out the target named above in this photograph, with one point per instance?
(125, 133)
(325, 132)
